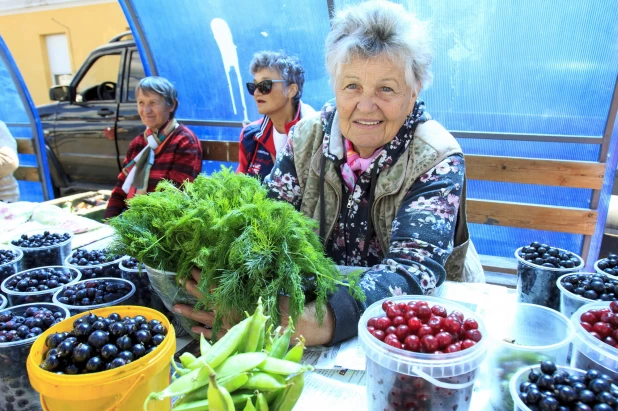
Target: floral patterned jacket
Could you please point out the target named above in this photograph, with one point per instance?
(410, 226)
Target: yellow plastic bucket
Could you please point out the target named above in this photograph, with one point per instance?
(121, 389)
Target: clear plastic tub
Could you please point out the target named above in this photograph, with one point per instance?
(139, 278)
(610, 271)
(571, 302)
(45, 256)
(521, 376)
(77, 309)
(590, 353)
(3, 302)
(537, 284)
(16, 297)
(12, 267)
(165, 285)
(402, 380)
(108, 269)
(521, 324)
(16, 393)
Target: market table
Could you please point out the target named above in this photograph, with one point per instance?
(338, 381)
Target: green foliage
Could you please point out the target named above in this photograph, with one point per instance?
(247, 245)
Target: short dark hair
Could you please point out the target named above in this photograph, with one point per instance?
(288, 67)
(161, 86)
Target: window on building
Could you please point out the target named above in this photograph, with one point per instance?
(59, 59)
(99, 82)
(136, 73)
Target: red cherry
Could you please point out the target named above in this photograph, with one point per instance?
(414, 324)
(586, 326)
(386, 304)
(467, 344)
(452, 325)
(429, 343)
(372, 322)
(614, 321)
(610, 341)
(458, 345)
(453, 348)
(393, 312)
(458, 314)
(390, 330)
(474, 335)
(435, 323)
(402, 306)
(402, 332)
(422, 304)
(615, 334)
(424, 330)
(596, 335)
(423, 312)
(412, 343)
(409, 314)
(438, 310)
(383, 323)
(588, 317)
(397, 321)
(392, 341)
(379, 334)
(444, 339)
(606, 317)
(470, 324)
(603, 329)
(371, 329)
(614, 306)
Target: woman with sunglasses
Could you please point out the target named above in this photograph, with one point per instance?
(277, 88)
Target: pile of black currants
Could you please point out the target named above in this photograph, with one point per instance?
(95, 263)
(549, 388)
(98, 344)
(592, 286)
(609, 265)
(546, 256)
(45, 249)
(94, 292)
(8, 263)
(20, 287)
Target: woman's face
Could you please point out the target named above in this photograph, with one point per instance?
(277, 99)
(152, 109)
(373, 101)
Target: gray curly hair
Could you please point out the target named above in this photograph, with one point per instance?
(288, 67)
(162, 86)
(377, 28)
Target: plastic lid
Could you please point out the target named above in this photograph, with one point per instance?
(75, 277)
(93, 307)
(412, 363)
(21, 309)
(528, 263)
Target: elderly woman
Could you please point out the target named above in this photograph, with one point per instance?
(276, 88)
(385, 182)
(165, 150)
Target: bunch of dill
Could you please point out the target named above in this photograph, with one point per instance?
(247, 245)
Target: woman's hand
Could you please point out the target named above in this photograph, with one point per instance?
(307, 325)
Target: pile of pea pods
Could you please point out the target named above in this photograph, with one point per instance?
(249, 365)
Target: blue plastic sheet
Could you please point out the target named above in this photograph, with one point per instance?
(510, 67)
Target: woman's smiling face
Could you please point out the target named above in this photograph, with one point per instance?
(373, 101)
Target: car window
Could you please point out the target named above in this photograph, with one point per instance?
(99, 82)
(136, 73)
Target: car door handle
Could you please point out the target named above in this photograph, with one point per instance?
(104, 112)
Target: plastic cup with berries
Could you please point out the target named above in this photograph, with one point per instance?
(422, 353)
(44, 247)
(3, 302)
(579, 289)
(95, 293)
(515, 342)
(538, 268)
(595, 346)
(38, 285)
(10, 261)
(94, 263)
(19, 328)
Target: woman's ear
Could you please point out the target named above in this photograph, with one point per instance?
(292, 90)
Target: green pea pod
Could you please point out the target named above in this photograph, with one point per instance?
(255, 330)
(186, 359)
(283, 367)
(179, 371)
(268, 339)
(290, 395)
(240, 363)
(183, 385)
(218, 397)
(296, 353)
(204, 345)
(249, 406)
(231, 384)
(203, 405)
(262, 404)
(264, 382)
(223, 348)
(260, 344)
(282, 342)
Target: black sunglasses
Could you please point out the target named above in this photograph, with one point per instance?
(265, 86)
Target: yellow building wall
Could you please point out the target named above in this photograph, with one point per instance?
(87, 27)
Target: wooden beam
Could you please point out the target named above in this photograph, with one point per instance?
(499, 264)
(27, 174)
(24, 145)
(577, 174)
(534, 217)
(215, 150)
